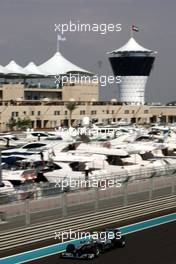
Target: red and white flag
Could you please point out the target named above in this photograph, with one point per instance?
(134, 28)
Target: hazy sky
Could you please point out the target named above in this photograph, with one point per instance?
(27, 34)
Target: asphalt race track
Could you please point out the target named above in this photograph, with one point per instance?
(152, 246)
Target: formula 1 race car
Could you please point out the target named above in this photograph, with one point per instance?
(110, 239)
(97, 244)
(85, 250)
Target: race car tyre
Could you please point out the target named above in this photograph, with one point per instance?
(97, 252)
(70, 248)
(101, 249)
(122, 244)
(60, 255)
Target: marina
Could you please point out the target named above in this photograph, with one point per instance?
(127, 153)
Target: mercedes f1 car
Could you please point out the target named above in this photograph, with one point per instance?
(89, 249)
(86, 250)
(112, 238)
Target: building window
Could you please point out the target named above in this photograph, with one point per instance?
(56, 112)
(14, 114)
(82, 112)
(24, 113)
(65, 112)
(93, 112)
(112, 111)
(146, 111)
(32, 113)
(107, 111)
(38, 113)
(132, 111)
(126, 112)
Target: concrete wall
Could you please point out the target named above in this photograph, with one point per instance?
(80, 92)
(86, 92)
(12, 92)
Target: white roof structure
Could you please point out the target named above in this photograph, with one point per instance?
(2, 70)
(131, 46)
(14, 69)
(32, 69)
(58, 65)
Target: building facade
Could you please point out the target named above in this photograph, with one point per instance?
(50, 114)
(70, 91)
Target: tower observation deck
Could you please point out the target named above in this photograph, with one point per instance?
(133, 63)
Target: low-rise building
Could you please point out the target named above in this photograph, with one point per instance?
(50, 114)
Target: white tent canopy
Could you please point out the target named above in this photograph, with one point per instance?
(131, 46)
(58, 65)
(32, 69)
(14, 69)
(2, 70)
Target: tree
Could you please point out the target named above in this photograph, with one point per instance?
(71, 106)
(19, 123)
(11, 124)
(23, 123)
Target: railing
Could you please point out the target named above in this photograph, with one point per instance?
(58, 206)
(45, 189)
(83, 222)
(55, 102)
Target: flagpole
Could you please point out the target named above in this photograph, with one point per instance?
(131, 31)
(58, 43)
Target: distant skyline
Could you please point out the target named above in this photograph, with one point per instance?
(27, 34)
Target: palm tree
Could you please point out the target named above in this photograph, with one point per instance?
(71, 106)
